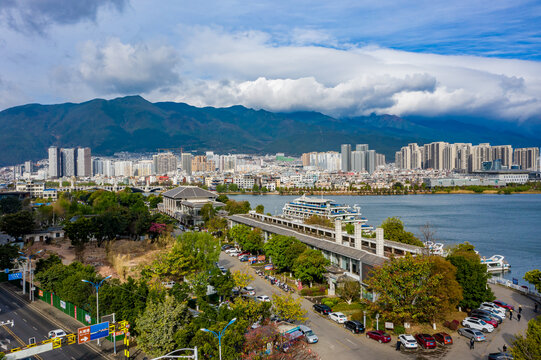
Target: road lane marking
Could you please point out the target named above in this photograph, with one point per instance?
(18, 339)
(338, 341)
(24, 320)
(351, 342)
(35, 328)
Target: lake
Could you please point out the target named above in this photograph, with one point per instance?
(508, 225)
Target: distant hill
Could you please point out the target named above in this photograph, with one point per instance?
(135, 124)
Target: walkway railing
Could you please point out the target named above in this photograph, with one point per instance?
(524, 290)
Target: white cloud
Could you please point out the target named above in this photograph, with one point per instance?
(118, 68)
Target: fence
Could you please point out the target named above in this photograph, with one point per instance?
(522, 289)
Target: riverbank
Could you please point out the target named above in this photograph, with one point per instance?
(364, 193)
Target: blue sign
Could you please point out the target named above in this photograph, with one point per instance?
(99, 331)
(15, 276)
(515, 281)
(6, 271)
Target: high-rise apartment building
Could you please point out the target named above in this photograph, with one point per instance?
(358, 161)
(123, 168)
(480, 154)
(503, 153)
(345, 151)
(200, 163)
(361, 147)
(84, 162)
(370, 161)
(186, 163)
(527, 158)
(28, 167)
(55, 162)
(69, 162)
(164, 163)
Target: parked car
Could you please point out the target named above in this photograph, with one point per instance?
(245, 253)
(443, 338)
(493, 308)
(338, 317)
(263, 298)
(58, 333)
(408, 341)
(248, 290)
(425, 340)
(235, 291)
(494, 314)
(226, 246)
(500, 356)
(309, 335)
(322, 309)
(231, 249)
(472, 333)
(504, 305)
(379, 335)
(354, 326)
(487, 319)
(477, 324)
(479, 312)
(244, 258)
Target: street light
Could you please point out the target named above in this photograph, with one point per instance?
(28, 263)
(97, 285)
(219, 335)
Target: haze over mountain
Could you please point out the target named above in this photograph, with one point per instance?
(134, 124)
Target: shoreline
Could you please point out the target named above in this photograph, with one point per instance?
(355, 193)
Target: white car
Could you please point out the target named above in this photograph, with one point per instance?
(234, 253)
(408, 341)
(230, 250)
(494, 308)
(263, 298)
(248, 290)
(338, 317)
(477, 324)
(58, 333)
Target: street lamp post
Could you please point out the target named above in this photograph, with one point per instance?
(97, 286)
(219, 335)
(28, 266)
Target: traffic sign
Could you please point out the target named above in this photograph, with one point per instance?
(83, 335)
(6, 271)
(99, 331)
(15, 276)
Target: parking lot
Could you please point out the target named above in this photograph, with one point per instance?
(337, 343)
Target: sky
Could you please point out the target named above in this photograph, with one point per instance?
(343, 58)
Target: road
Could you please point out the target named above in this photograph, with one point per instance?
(29, 323)
(338, 344)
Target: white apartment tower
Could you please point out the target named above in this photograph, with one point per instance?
(84, 162)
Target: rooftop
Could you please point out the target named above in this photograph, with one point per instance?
(189, 192)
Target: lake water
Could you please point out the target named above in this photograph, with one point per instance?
(508, 225)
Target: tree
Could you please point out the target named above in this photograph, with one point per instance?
(239, 234)
(17, 224)
(448, 289)
(287, 307)
(222, 198)
(283, 250)
(223, 283)
(471, 275)
(10, 205)
(319, 221)
(349, 290)
(208, 212)
(310, 266)
(221, 188)
(534, 277)
(237, 207)
(428, 233)
(260, 209)
(153, 201)
(8, 256)
(44, 264)
(253, 242)
(350, 228)
(393, 228)
(79, 231)
(405, 289)
(158, 325)
(242, 279)
(528, 347)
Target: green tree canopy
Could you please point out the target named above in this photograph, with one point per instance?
(207, 212)
(471, 275)
(406, 289)
(17, 224)
(310, 266)
(79, 231)
(287, 307)
(8, 256)
(534, 278)
(10, 205)
(159, 323)
(237, 207)
(349, 290)
(528, 347)
(319, 221)
(284, 250)
(260, 209)
(393, 229)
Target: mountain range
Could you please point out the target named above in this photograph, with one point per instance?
(134, 124)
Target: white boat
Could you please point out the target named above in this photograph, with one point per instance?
(305, 207)
(496, 263)
(435, 248)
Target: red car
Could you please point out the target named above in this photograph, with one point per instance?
(379, 335)
(443, 338)
(488, 320)
(504, 305)
(244, 253)
(426, 341)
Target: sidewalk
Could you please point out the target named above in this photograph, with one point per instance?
(71, 325)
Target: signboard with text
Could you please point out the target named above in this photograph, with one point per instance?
(15, 276)
(83, 335)
(99, 331)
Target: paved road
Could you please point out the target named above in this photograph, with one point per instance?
(338, 344)
(29, 323)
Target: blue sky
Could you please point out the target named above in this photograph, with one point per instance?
(343, 58)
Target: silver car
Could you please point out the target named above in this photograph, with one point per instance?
(472, 333)
(309, 335)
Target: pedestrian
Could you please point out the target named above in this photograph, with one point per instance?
(398, 345)
(518, 317)
(510, 314)
(535, 308)
(520, 309)
(504, 348)
(472, 343)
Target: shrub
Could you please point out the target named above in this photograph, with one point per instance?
(314, 291)
(331, 302)
(453, 325)
(346, 306)
(399, 329)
